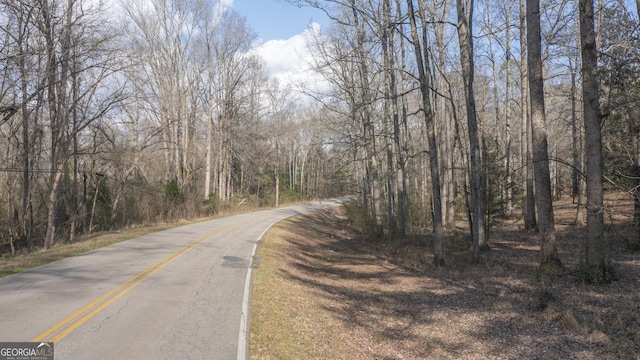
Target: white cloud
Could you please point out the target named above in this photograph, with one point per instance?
(288, 60)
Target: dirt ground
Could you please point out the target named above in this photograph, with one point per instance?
(346, 297)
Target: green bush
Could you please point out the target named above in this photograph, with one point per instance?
(173, 193)
(211, 204)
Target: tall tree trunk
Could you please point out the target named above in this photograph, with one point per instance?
(577, 182)
(389, 141)
(56, 91)
(369, 128)
(465, 33)
(223, 153)
(49, 238)
(549, 259)
(374, 177)
(303, 184)
(401, 132)
(394, 192)
(445, 112)
(507, 118)
(596, 261)
(208, 158)
(529, 208)
(424, 77)
(496, 192)
(25, 220)
(575, 135)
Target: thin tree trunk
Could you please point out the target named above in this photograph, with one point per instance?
(303, 188)
(575, 135)
(465, 33)
(56, 89)
(577, 182)
(207, 171)
(445, 114)
(529, 208)
(49, 238)
(596, 261)
(507, 118)
(391, 119)
(425, 90)
(401, 131)
(549, 259)
(26, 171)
(369, 129)
(94, 202)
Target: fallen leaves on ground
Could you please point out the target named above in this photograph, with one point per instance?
(332, 294)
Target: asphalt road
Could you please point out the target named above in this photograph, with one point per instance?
(175, 294)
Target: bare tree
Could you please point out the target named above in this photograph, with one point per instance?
(234, 68)
(78, 59)
(399, 121)
(526, 140)
(424, 77)
(465, 35)
(17, 46)
(280, 110)
(164, 34)
(577, 181)
(596, 264)
(549, 259)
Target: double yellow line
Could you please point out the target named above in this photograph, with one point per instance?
(81, 316)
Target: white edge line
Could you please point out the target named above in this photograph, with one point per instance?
(243, 344)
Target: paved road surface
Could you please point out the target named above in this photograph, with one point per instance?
(175, 294)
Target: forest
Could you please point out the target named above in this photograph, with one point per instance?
(436, 115)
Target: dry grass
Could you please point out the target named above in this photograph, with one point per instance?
(20, 262)
(25, 259)
(322, 292)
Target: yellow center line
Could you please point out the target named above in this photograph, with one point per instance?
(74, 321)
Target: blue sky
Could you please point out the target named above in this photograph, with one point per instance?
(283, 31)
(277, 20)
